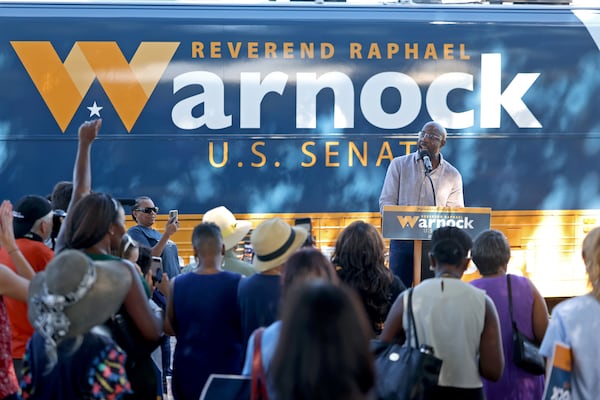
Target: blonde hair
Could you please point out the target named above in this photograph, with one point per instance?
(591, 258)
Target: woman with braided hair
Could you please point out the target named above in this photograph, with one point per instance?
(458, 321)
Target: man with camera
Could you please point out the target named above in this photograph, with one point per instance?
(144, 213)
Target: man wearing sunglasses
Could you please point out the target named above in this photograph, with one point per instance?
(144, 213)
(410, 181)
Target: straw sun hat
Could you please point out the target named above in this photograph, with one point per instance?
(74, 294)
(233, 231)
(274, 241)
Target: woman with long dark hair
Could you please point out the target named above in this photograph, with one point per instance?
(95, 224)
(323, 350)
(304, 265)
(359, 259)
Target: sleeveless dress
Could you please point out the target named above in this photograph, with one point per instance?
(515, 383)
(208, 332)
(449, 316)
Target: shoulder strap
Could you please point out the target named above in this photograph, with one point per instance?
(510, 304)
(259, 381)
(412, 326)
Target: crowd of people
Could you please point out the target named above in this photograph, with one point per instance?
(87, 311)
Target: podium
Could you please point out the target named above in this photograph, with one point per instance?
(417, 223)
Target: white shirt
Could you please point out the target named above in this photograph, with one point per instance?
(405, 184)
(450, 315)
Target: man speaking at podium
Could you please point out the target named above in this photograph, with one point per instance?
(422, 178)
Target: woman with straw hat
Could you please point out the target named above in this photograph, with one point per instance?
(68, 357)
(233, 232)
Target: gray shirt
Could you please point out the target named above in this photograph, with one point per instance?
(149, 237)
(406, 184)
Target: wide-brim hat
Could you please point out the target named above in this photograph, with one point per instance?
(27, 211)
(233, 231)
(274, 241)
(74, 294)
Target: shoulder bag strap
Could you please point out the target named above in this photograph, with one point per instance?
(259, 382)
(412, 326)
(510, 304)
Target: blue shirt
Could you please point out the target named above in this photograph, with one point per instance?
(268, 344)
(149, 237)
(258, 297)
(207, 326)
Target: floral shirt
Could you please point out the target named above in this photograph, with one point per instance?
(8, 379)
(95, 370)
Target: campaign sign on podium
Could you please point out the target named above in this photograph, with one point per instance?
(419, 222)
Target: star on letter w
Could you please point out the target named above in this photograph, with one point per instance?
(95, 110)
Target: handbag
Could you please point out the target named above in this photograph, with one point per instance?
(404, 372)
(127, 335)
(259, 381)
(526, 353)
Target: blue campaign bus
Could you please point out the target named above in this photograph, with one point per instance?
(296, 109)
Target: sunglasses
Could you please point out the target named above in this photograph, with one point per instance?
(148, 210)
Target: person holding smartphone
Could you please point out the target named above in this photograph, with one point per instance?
(144, 213)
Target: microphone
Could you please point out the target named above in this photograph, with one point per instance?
(426, 157)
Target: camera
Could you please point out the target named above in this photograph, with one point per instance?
(306, 223)
(57, 219)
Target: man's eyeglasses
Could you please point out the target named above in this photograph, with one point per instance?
(430, 136)
(148, 210)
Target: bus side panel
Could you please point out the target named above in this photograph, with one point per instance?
(343, 94)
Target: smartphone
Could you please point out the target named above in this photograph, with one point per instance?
(306, 223)
(156, 270)
(173, 215)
